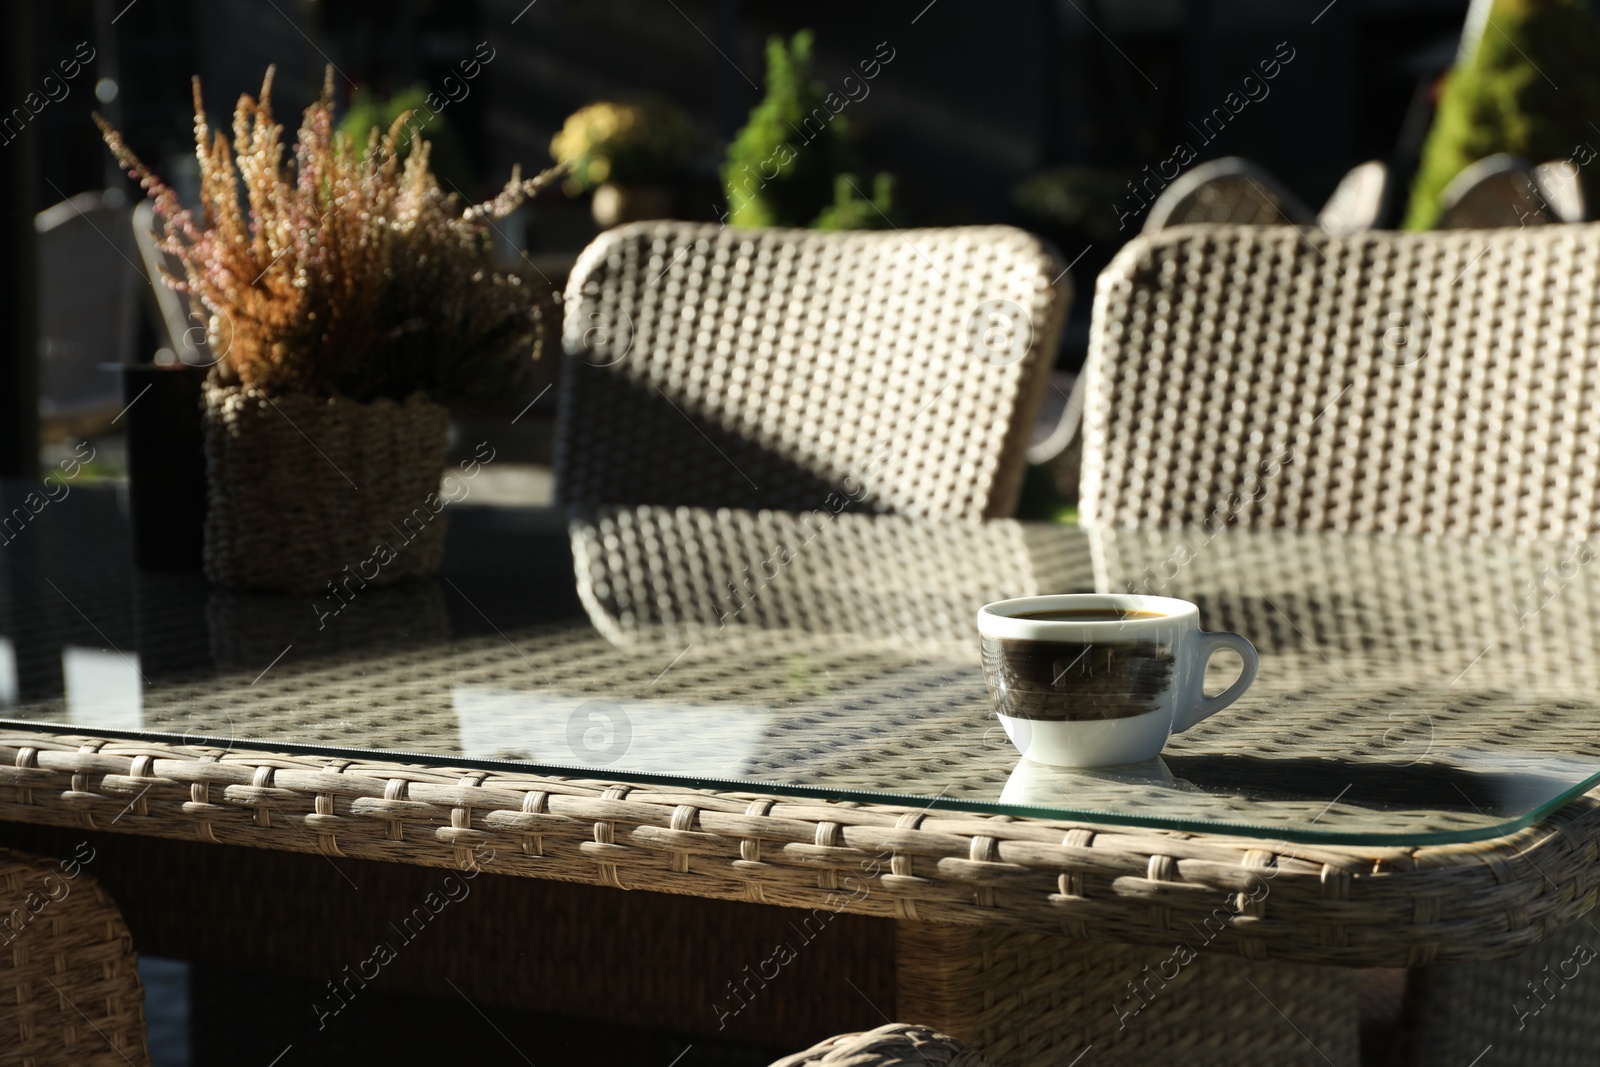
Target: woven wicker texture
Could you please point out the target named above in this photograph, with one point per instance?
(788, 369)
(853, 669)
(862, 618)
(891, 1045)
(1121, 1005)
(1350, 906)
(301, 489)
(665, 574)
(1412, 383)
(1522, 614)
(69, 982)
(1541, 1007)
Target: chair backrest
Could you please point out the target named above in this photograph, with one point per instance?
(790, 369)
(1222, 191)
(1495, 191)
(88, 292)
(1437, 382)
(1558, 186)
(1360, 201)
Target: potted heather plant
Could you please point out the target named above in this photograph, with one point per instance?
(349, 300)
(630, 155)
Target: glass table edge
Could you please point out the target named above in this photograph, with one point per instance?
(939, 803)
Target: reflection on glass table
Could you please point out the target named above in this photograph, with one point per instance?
(1406, 694)
(1450, 795)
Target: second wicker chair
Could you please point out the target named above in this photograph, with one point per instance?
(897, 371)
(1417, 383)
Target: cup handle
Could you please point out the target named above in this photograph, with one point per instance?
(1210, 644)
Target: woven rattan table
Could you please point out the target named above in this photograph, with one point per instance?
(774, 712)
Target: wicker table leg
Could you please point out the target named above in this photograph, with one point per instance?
(1024, 998)
(1539, 1007)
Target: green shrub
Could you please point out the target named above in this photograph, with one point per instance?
(447, 159)
(1076, 199)
(852, 211)
(1531, 89)
(787, 166)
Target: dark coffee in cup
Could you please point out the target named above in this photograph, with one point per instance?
(1090, 614)
(1072, 681)
(1096, 679)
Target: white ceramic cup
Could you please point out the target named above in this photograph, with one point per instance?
(1099, 679)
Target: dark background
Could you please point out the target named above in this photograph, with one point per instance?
(978, 97)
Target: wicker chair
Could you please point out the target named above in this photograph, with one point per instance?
(1226, 191)
(787, 369)
(1231, 191)
(180, 329)
(1360, 202)
(69, 982)
(1495, 191)
(1412, 383)
(1558, 186)
(894, 1045)
(659, 574)
(88, 301)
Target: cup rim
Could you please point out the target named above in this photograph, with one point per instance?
(998, 619)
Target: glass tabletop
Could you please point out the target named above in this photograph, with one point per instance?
(1412, 691)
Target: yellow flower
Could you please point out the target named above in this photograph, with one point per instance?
(614, 141)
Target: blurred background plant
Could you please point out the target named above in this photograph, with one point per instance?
(1071, 207)
(1527, 84)
(851, 210)
(447, 159)
(1074, 199)
(1029, 115)
(795, 161)
(642, 142)
(365, 279)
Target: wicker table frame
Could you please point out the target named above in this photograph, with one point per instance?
(992, 913)
(1028, 938)
(1353, 907)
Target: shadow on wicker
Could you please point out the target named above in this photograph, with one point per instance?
(792, 369)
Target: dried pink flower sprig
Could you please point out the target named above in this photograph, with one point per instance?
(349, 273)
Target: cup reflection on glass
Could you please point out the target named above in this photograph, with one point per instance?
(1101, 679)
(1036, 785)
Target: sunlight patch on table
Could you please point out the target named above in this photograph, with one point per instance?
(104, 689)
(612, 734)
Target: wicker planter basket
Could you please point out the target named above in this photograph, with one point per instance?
(300, 488)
